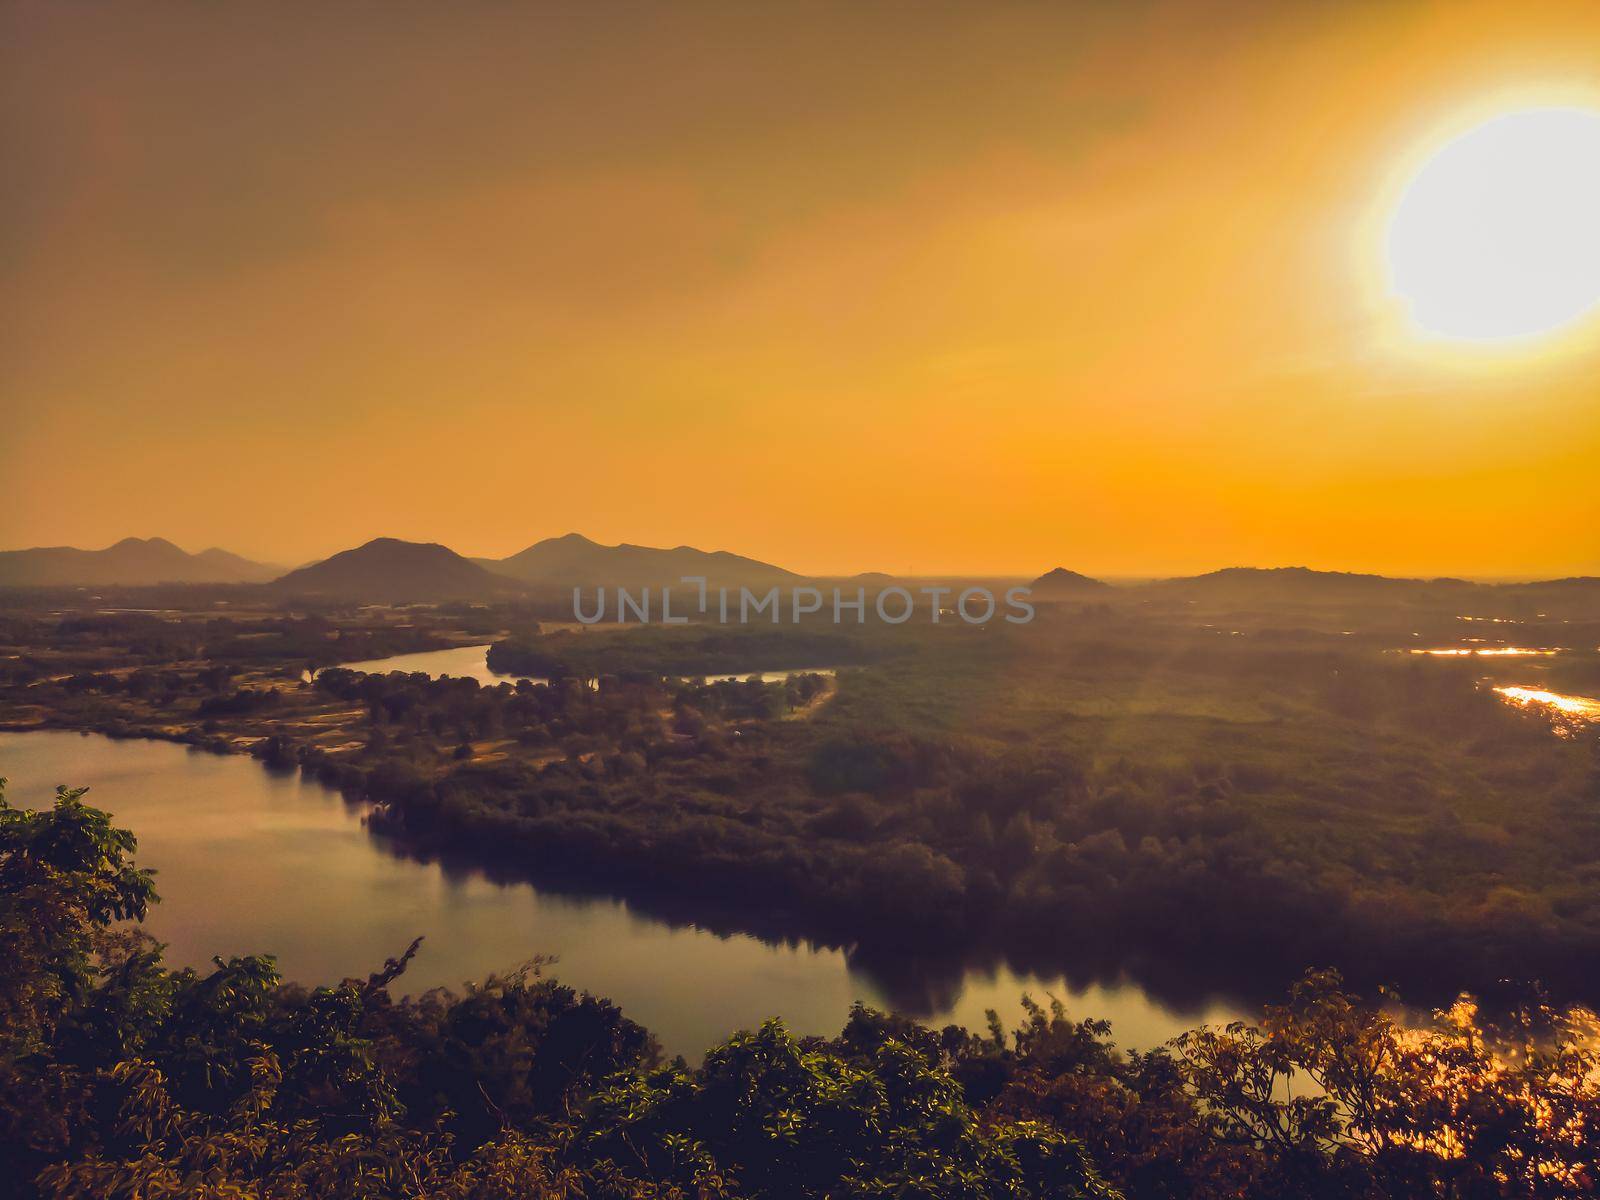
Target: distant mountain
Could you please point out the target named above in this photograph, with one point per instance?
(575, 561)
(1304, 585)
(223, 560)
(392, 571)
(1569, 581)
(131, 562)
(1062, 582)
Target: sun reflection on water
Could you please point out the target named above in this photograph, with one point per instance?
(1488, 651)
(1568, 712)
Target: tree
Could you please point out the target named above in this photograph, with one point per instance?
(65, 874)
(769, 1116)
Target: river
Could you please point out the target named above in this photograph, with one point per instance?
(471, 662)
(251, 860)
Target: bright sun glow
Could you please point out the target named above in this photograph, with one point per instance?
(1497, 236)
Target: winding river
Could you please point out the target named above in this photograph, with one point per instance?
(255, 861)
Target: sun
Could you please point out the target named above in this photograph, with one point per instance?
(1496, 237)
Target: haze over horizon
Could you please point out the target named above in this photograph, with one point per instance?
(976, 290)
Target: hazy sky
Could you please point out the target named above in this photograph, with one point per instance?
(914, 287)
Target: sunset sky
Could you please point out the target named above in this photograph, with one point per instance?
(912, 287)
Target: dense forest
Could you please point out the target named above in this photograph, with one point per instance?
(1251, 810)
(122, 1078)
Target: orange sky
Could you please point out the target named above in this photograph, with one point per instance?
(937, 287)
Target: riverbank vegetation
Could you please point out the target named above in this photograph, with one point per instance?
(684, 651)
(120, 1077)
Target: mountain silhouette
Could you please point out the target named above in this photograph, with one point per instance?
(130, 562)
(1304, 585)
(575, 561)
(388, 569)
(1060, 582)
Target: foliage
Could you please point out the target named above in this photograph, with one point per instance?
(65, 875)
(120, 1078)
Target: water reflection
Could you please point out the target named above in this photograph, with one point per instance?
(459, 662)
(1489, 651)
(1567, 710)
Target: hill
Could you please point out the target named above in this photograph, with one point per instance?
(1062, 582)
(1570, 597)
(388, 569)
(130, 562)
(576, 561)
(1302, 585)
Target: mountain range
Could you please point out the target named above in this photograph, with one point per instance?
(574, 560)
(390, 569)
(131, 562)
(396, 571)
